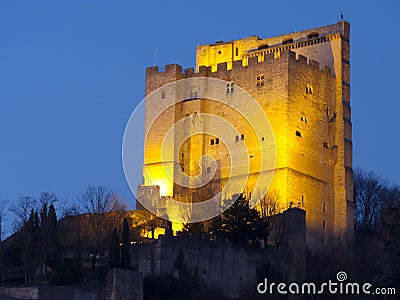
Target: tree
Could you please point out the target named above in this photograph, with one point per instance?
(391, 248)
(22, 210)
(270, 205)
(3, 206)
(370, 191)
(240, 223)
(104, 210)
(47, 199)
(147, 222)
(125, 257)
(52, 239)
(114, 250)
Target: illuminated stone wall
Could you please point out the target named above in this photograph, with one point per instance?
(306, 96)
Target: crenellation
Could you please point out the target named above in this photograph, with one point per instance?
(151, 70)
(253, 61)
(204, 71)
(189, 72)
(237, 64)
(173, 68)
(222, 67)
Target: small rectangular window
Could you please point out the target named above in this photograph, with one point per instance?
(212, 142)
(183, 154)
(217, 141)
(325, 144)
(237, 51)
(237, 138)
(298, 133)
(260, 80)
(323, 225)
(183, 169)
(324, 206)
(219, 52)
(262, 139)
(242, 137)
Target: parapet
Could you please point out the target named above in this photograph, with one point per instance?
(253, 61)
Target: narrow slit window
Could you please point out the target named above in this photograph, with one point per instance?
(298, 133)
(217, 141)
(212, 142)
(229, 87)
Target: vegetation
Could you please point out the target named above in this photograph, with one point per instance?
(81, 245)
(95, 234)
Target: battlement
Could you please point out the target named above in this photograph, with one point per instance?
(238, 65)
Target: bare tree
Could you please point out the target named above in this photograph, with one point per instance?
(105, 211)
(22, 210)
(147, 222)
(369, 197)
(46, 199)
(3, 206)
(270, 205)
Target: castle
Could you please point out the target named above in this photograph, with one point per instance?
(301, 81)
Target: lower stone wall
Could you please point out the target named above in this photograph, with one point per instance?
(124, 285)
(223, 265)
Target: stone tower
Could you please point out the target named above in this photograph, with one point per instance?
(302, 82)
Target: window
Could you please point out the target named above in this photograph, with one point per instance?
(219, 52)
(260, 80)
(236, 51)
(323, 225)
(298, 133)
(162, 94)
(237, 138)
(183, 154)
(208, 170)
(217, 141)
(262, 139)
(324, 206)
(309, 89)
(325, 144)
(212, 142)
(183, 169)
(229, 87)
(242, 137)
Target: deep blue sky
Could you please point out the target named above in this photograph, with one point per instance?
(71, 72)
